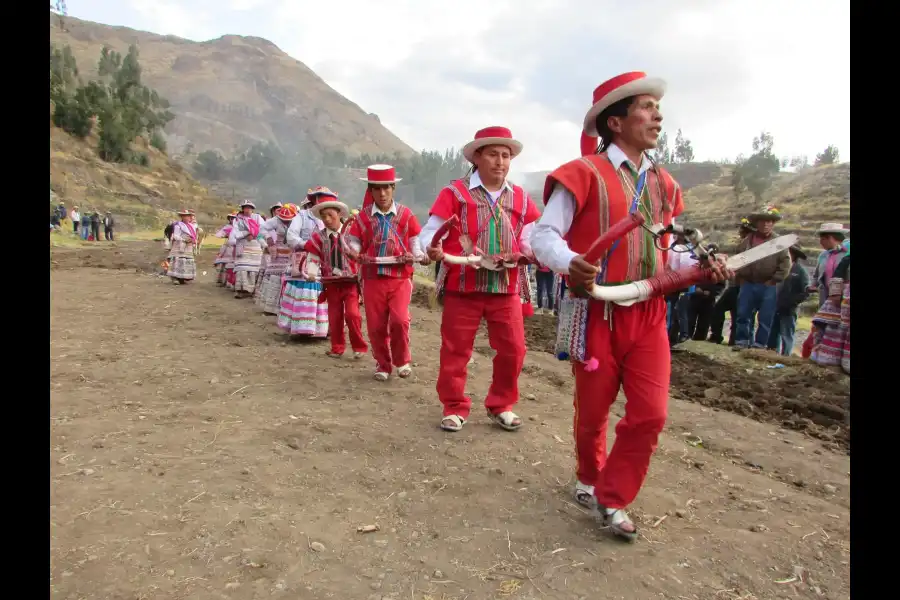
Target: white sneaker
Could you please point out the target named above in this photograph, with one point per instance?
(584, 495)
(381, 376)
(404, 371)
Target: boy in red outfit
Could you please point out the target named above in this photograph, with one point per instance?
(340, 278)
(495, 216)
(384, 238)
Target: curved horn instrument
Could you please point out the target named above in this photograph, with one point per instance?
(477, 259)
(617, 231)
(671, 281)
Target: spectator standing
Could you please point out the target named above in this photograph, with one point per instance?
(76, 220)
(758, 281)
(791, 293)
(95, 226)
(85, 225)
(108, 224)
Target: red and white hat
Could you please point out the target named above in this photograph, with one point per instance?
(380, 175)
(635, 83)
(185, 212)
(492, 136)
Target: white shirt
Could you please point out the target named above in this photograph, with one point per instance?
(547, 240)
(414, 243)
(301, 229)
(434, 222)
(680, 258)
(238, 233)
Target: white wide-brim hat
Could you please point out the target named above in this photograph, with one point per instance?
(832, 228)
(316, 210)
(618, 88)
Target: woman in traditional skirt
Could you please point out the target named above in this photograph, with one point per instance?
(247, 250)
(221, 261)
(274, 234)
(182, 267)
(303, 310)
(831, 325)
(265, 256)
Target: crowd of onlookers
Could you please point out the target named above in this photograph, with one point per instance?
(764, 299)
(87, 225)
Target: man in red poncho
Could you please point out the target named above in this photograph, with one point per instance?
(384, 236)
(624, 346)
(496, 217)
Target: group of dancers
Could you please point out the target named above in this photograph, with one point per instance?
(310, 264)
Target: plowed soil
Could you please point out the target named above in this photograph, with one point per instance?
(196, 453)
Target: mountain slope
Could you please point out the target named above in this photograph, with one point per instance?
(234, 91)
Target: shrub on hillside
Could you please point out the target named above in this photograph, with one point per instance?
(72, 116)
(158, 141)
(125, 108)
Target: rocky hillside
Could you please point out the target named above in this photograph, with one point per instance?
(139, 197)
(806, 199)
(234, 91)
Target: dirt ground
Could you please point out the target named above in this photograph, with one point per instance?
(195, 453)
(799, 395)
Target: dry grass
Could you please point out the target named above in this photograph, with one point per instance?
(140, 198)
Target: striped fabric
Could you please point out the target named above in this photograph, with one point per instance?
(380, 236)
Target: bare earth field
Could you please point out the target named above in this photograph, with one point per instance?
(196, 453)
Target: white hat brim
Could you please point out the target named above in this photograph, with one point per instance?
(825, 231)
(469, 150)
(367, 180)
(243, 204)
(650, 86)
(316, 210)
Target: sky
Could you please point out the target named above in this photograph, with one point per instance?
(435, 72)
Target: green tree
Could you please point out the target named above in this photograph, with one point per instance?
(799, 162)
(256, 162)
(124, 106)
(662, 154)
(684, 152)
(210, 165)
(829, 156)
(757, 173)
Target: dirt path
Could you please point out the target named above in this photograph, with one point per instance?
(192, 457)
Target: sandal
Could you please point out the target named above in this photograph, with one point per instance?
(584, 495)
(331, 354)
(615, 519)
(456, 423)
(358, 355)
(381, 376)
(508, 420)
(404, 371)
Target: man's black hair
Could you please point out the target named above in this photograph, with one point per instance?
(616, 109)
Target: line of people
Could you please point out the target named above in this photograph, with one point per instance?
(86, 225)
(612, 346)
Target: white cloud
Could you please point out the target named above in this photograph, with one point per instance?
(435, 72)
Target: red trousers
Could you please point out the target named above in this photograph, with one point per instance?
(386, 302)
(343, 307)
(506, 334)
(633, 353)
